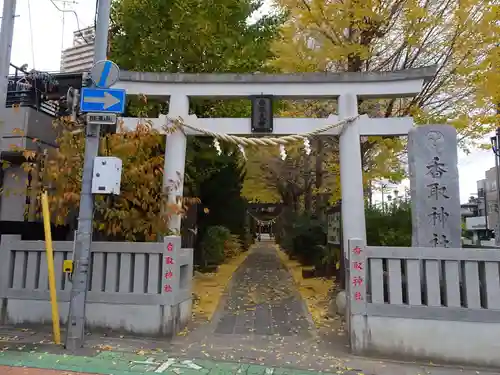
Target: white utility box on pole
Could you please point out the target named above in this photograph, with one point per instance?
(107, 175)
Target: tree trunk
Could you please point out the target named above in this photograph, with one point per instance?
(307, 184)
(296, 204)
(370, 193)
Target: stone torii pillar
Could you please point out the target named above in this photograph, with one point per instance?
(175, 157)
(351, 173)
(350, 165)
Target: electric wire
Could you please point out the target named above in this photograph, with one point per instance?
(32, 39)
(76, 17)
(63, 23)
(95, 14)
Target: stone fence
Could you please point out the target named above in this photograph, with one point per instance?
(440, 304)
(141, 288)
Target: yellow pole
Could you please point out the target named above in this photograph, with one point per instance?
(50, 265)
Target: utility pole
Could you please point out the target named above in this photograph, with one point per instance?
(384, 186)
(497, 174)
(6, 37)
(495, 143)
(76, 319)
(481, 194)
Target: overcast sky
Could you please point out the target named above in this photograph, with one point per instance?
(38, 42)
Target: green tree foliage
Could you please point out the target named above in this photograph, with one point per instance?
(221, 194)
(213, 243)
(197, 36)
(389, 226)
(219, 245)
(304, 238)
(190, 36)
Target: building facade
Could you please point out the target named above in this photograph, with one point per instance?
(29, 126)
(476, 216)
(79, 57)
(491, 198)
(481, 212)
(481, 195)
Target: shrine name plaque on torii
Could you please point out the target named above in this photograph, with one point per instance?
(346, 87)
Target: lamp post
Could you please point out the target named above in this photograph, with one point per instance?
(481, 198)
(495, 143)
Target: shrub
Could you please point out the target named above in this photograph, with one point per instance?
(247, 238)
(389, 227)
(213, 244)
(232, 246)
(304, 237)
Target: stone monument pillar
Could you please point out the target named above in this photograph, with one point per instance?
(435, 198)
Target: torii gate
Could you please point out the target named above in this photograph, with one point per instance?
(347, 87)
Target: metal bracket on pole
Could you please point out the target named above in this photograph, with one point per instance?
(92, 130)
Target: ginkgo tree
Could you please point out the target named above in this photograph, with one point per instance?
(459, 37)
(315, 178)
(486, 73)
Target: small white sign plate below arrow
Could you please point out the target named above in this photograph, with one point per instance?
(101, 118)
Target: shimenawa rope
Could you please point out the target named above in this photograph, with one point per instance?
(263, 141)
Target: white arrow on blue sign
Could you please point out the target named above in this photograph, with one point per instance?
(103, 100)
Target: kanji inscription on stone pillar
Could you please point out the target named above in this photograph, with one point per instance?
(357, 272)
(170, 265)
(435, 197)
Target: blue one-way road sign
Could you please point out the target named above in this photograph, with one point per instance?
(102, 100)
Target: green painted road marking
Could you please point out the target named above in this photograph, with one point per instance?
(120, 363)
(161, 367)
(150, 364)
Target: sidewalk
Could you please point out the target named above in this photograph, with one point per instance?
(35, 371)
(117, 363)
(120, 363)
(262, 327)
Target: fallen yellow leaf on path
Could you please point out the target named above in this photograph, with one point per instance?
(314, 291)
(209, 288)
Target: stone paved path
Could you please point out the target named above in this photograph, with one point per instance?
(263, 299)
(263, 320)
